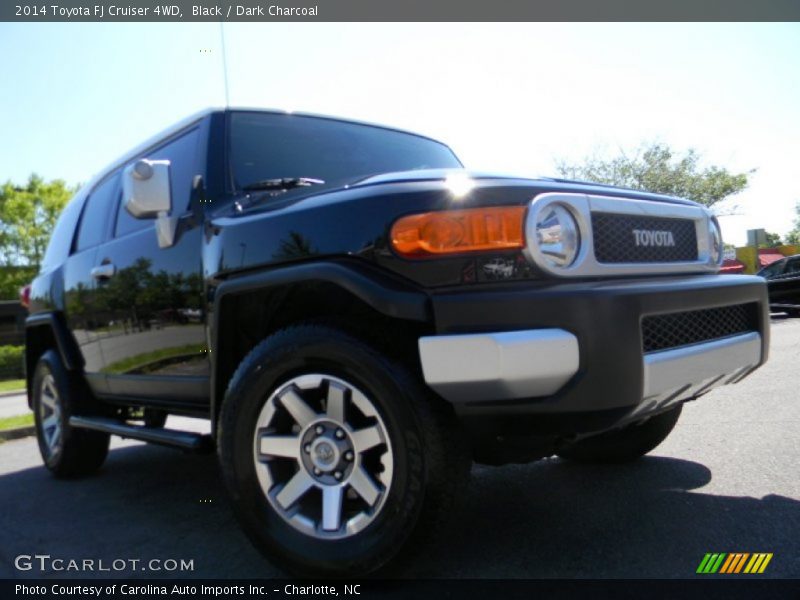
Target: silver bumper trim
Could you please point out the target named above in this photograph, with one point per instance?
(672, 375)
(499, 366)
(539, 362)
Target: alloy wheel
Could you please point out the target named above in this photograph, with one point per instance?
(50, 415)
(323, 456)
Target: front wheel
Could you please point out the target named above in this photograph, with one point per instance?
(625, 444)
(335, 456)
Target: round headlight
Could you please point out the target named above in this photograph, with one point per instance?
(715, 238)
(557, 236)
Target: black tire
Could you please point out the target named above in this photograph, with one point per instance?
(430, 466)
(626, 444)
(77, 452)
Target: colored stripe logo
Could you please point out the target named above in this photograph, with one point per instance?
(734, 562)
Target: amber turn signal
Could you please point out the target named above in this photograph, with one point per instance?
(457, 231)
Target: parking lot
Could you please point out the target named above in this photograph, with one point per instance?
(727, 480)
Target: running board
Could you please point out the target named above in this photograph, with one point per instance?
(187, 440)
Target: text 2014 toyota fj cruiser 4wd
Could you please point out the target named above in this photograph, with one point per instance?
(360, 318)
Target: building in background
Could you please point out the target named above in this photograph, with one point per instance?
(12, 323)
(755, 259)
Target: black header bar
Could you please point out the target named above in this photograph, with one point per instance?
(398, 10)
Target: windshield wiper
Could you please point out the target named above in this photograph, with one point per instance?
(282, 183)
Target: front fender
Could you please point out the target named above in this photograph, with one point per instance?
(385, 293)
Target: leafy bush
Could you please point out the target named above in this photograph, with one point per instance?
(11, 362)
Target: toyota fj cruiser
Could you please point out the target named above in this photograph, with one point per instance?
(360, 319)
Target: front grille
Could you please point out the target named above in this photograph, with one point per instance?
(615, 239)
(660, 332)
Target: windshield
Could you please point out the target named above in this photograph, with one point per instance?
(269, 146)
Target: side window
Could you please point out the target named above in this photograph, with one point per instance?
(182, 154)
(101, 201)
(793, 267)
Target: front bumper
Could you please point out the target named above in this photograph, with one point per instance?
(574, 349)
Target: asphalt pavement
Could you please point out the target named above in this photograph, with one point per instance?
(726, 480)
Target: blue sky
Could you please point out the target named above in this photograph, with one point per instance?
(507, 97)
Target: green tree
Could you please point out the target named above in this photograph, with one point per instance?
(793, 237)
(773, 240)
(27, 216)
(656, 167)
(12, 279)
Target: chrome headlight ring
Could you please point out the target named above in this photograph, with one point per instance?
(557, 236)
(716, 248)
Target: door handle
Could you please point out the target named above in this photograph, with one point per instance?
(104, 271)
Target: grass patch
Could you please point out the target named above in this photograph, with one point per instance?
(15, 422)
(12, 385)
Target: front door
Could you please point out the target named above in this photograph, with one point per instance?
(155, 346)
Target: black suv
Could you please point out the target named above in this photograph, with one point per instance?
(360, 319)
(783, 284)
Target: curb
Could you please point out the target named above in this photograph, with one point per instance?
(12, 393)
(19, 432)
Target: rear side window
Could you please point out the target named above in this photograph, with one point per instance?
(182, 154)
(95, 214)
(63, 233)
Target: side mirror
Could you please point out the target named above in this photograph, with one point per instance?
(146, 195)
(146, 188)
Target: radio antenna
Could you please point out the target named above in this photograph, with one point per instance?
(224, 64)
